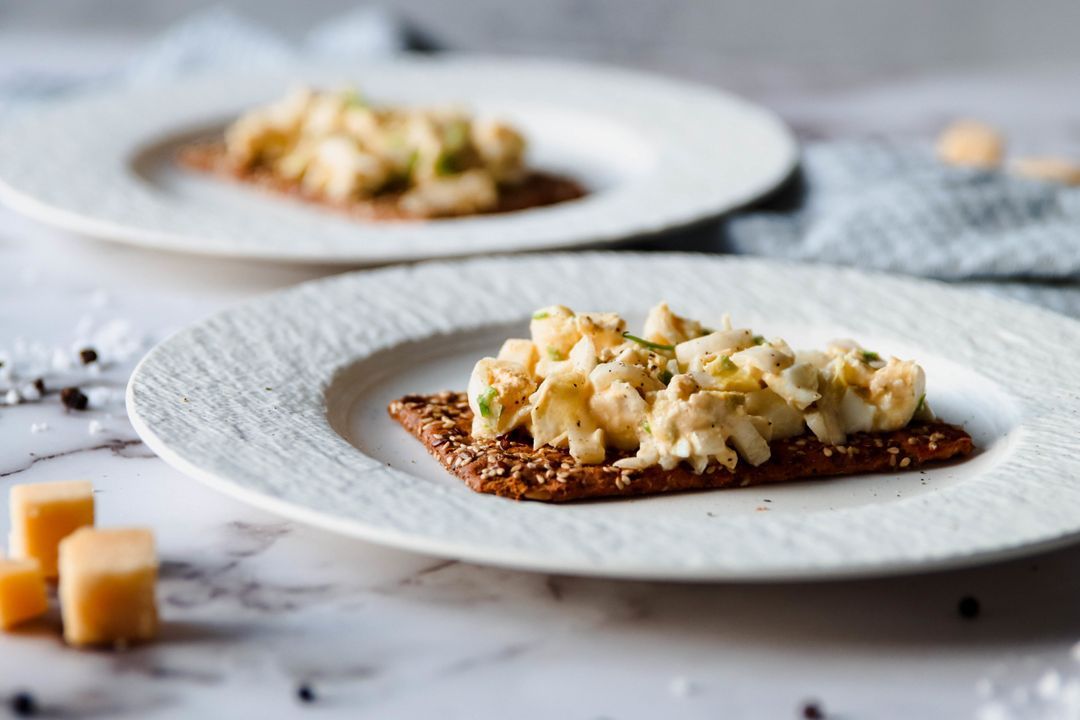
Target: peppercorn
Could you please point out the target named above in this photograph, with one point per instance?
(73, 398)
(23, 704)
(968, 607)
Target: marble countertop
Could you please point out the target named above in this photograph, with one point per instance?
(255, 606)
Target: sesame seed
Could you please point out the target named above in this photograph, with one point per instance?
(905, 462)
(932, 446)
(893, 451)
(827, 452)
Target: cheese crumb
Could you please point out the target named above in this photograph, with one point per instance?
(107, 580)
(22, 592)
(43, 514)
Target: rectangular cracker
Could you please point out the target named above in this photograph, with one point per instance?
(535, 190)
(510, 467)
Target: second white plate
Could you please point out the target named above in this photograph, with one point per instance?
(655, 154)
(282, 402)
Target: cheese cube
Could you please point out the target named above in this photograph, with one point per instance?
(22, 592)
(43, 514)
(107, 586)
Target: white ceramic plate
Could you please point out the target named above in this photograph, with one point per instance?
(282, 402)
(655, 154)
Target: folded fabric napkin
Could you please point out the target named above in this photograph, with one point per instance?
(894, 207)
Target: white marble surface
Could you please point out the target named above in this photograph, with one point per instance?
(253, 606)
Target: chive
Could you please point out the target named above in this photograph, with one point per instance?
(759, 339)
(726, 365)
(554, 354)
(645, 343)
(645, 426)
(869, 356)
(665, 376)
(540, 315)
(483, 400)
(922, 403)
(706, 331)
(446, 164)
(410, 164)
(353, 99)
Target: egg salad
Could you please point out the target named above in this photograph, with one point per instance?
(337, 145)
(682, 392)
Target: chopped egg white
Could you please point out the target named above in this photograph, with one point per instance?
(338, 146)
(681, 392)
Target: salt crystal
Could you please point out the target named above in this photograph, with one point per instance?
(61, 360)
(11, 397)
(1049, 685)
(95, 427)
(116, 340)
(98, 397)
(681, 687)
(39, 427)
(30, 392)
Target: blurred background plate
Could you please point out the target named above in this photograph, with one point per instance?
(281, 402)
(656, 154)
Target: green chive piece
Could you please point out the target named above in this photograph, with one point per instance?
(665, 376)
(645, 426)
(554, 354)
(645, 343)
(922, 403)
(446, 164)
(410, 164)
(869, 356)
(727, 365)
(541, 315)
(484, 400)
(354, 99)
(759, 339)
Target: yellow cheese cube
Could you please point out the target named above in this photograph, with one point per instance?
(43, 514)
(107, 582)
(22, 592)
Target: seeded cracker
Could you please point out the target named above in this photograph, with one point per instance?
(510, 467)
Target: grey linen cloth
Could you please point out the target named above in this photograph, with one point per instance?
(893, 207)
